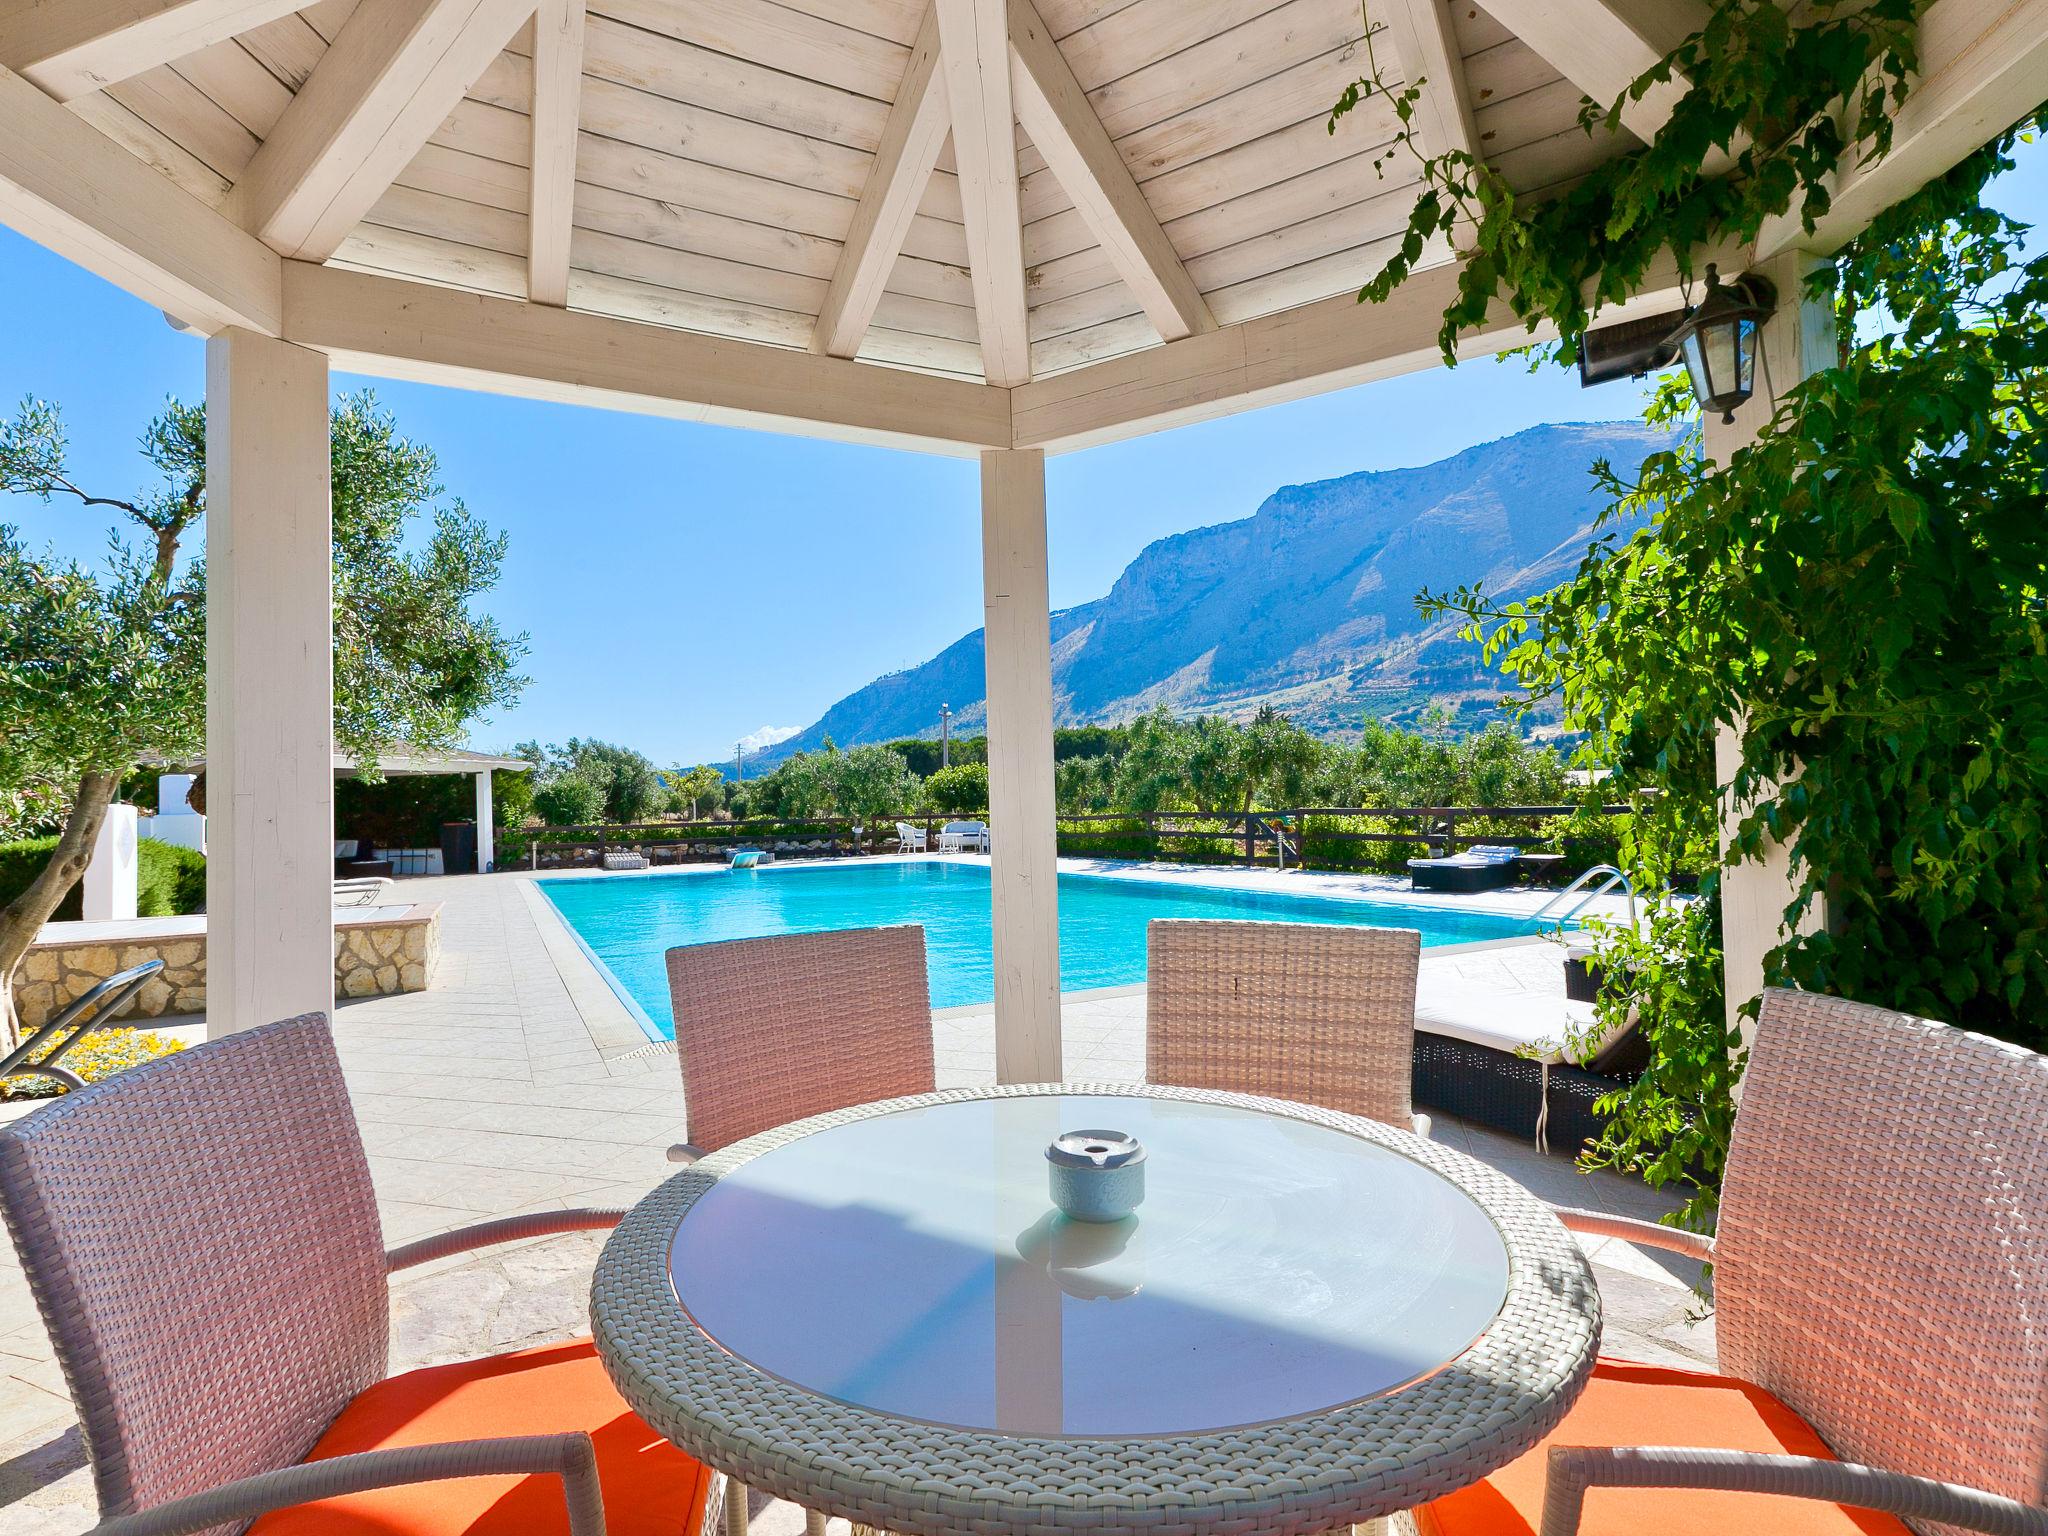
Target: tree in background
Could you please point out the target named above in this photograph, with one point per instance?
(101, 667)
(689, 789)
(589, 781)
(870, 784)
(958, 789)
(865, 783)
(1084, 786)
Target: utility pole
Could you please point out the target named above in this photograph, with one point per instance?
(945, 735)
(739, 762)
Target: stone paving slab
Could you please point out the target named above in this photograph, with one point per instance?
(520, 1083)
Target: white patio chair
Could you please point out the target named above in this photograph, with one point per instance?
(909, 839)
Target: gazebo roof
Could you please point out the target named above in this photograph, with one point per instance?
(1017, 222)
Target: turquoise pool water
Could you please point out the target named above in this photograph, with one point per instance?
(628, 922)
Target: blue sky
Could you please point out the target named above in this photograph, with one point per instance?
(685, 585)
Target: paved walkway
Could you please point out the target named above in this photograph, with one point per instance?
(519, 1083)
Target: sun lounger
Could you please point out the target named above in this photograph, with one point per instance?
(1483, 867)
(1498, 1055)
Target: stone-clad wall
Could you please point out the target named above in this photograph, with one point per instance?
(373, 957)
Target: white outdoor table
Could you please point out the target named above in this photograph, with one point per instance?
(1312, 1320)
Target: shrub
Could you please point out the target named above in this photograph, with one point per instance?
(95, 1058)
(960, 788)
(569, 800)
(169, 882)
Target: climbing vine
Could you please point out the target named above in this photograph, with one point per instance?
(1781, 94)
(1857, 601)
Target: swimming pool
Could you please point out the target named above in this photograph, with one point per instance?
(628, 922)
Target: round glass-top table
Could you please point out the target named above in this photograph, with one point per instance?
(1310, 1320)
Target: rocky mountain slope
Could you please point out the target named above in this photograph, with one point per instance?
(1308, 604)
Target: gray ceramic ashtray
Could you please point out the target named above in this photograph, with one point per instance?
(1096, 1175)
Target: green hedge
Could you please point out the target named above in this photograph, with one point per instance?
(170, 881)
(719, 832)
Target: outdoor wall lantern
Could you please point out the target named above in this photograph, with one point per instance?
(1719, 338)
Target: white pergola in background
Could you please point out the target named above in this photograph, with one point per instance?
(956, 226)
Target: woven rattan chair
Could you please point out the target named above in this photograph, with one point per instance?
(1880, 1286)
(777, 1029)
(1318, 1013)
(202, 1240)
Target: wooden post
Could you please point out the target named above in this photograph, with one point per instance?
(1799, 340)
(486, 833)
(1024, 838)
(269, 684)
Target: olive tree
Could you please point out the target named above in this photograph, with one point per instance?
(102, 665)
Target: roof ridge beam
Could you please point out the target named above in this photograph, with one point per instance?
(1091, 170)
(557, 110)
(974, 51)
(72, 48)
(911, 140)
(393, 75)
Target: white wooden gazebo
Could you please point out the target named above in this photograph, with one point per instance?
(1004, 228)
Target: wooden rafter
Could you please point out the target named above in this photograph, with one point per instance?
(974, 49)
(1602, 46)
(70, 188)
(1056, 113)
(394, 73)
(910, 146)
(1428, 51)
(557, 108)
(1982, 64)
(74, 47)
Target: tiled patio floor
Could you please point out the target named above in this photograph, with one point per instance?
(519, 1083)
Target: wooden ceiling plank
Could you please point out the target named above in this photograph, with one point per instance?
(917, 127)
(1055, 112)
(775, 35)
(975, 58)
(76, 47)
(557, 108)
(388, 82)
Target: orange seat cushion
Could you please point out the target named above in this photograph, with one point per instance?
(650, 1487)
(1627, 1404)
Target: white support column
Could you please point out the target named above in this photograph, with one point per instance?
(269, 684)
(1020, 785)
(486, 839)
(1799, 340)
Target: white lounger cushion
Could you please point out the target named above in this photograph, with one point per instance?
(1517, 1022)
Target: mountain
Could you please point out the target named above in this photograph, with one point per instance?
(1307, 605)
